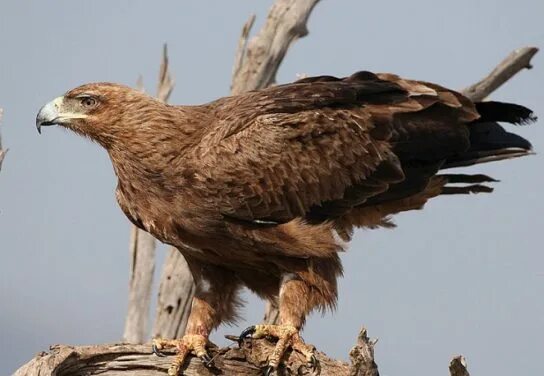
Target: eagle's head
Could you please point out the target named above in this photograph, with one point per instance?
(103, 112)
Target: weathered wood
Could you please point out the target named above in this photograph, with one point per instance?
(255, 67)
(136, 360)
(142, 246)
(458, 366)
(176, 292)
(508, 68)
(142, 268)
(241, 50)
(362, 356)
(165, 84)
(271, 313)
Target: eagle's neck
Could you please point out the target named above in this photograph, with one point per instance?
(151, 159)
(154, 148)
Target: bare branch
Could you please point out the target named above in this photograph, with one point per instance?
(509, 67)
(140, 84)
(362, 356)
(142, 251)
(458, 366)
(175, 297)
(166, 83)
(261, 59)
(142, 246)
(2, 151)
(242, 43)
(271, 313)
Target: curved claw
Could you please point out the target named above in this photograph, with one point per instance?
(207, 360)
(157, 352)
(268, 370)
(313, 364)
(247, 332)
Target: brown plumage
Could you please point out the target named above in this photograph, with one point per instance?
(256, 189)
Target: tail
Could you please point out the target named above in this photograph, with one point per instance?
(489, 141)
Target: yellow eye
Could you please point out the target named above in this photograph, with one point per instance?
(88, 102)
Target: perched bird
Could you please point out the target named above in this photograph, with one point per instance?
(265, 188)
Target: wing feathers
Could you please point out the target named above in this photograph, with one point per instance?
(332, 149)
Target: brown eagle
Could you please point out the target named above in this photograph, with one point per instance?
(263, 189)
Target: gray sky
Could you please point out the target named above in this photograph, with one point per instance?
(465, 275)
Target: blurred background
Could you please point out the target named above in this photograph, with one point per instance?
(464, 276)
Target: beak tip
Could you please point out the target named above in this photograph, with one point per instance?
(48, 114)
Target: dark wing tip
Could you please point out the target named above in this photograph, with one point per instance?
(505, 112)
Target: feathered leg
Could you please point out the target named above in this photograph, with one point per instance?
(215, 301)
(299, 294)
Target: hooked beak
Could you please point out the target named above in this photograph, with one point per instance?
(49, 114)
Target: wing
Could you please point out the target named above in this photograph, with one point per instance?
(321, 146)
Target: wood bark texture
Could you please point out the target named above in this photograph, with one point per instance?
(142, 247)
(257, 64)
(136, 360)
(255, 67)
(176, 292)
(517, 60)
(458, 366)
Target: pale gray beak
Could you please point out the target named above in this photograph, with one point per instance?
(49, 114)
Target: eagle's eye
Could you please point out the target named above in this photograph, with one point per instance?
(88, 102)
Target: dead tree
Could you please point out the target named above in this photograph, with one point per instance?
(256, 64)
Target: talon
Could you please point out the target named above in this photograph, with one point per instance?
(247, 332)
(313, 362)
(268, 370)
(157, 352)
(190, 343)
(207, 360)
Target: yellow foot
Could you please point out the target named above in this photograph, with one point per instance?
(288, 336)
(194, 343)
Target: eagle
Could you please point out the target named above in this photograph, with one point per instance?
(264, 189)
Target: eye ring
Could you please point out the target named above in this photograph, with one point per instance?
(88, 102)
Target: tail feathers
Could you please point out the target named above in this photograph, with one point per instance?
(489, 142)
(466, 178)
(505, 112)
